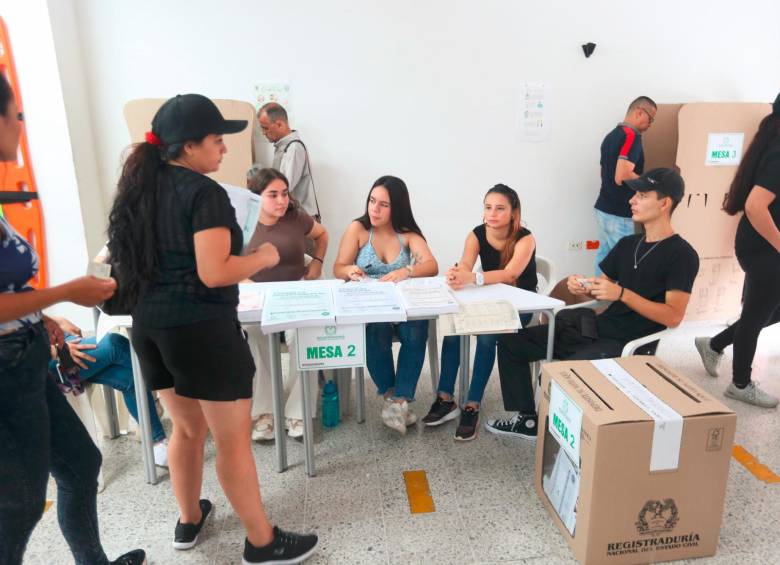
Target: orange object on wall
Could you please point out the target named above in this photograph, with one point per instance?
(25, 217)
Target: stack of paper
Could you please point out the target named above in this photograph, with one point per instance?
(247, 206)
(297, 306)
(488, 317)
(367, 302)
(429, 296)
(250, 303)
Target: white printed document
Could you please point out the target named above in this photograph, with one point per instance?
(562, 488)
(247, 206)
(427, 296)
(367, 302)
(488, 317)
(297, 307)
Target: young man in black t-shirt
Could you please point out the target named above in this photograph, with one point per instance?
(647, 278)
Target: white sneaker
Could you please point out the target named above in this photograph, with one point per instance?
(411, 417)
(161, 453)
(751, 394)
(394, 415)
(709, 357)
(263, 429)
(294, 428)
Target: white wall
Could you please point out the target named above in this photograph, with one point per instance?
(50, 146)
(428, 90)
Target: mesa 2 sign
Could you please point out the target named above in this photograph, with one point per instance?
(331, 347)
(565, 421)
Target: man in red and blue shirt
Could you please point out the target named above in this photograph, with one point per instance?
(622, 158)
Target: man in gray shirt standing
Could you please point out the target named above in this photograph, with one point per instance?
(290, 155)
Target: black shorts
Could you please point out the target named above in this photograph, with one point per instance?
(208, 360)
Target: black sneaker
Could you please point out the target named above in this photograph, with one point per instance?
(519, 425)
(135, 557)
(186, 535)
(287, 548)
(467, 427)
(441, 411)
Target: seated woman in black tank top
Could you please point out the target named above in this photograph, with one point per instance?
(507, 252)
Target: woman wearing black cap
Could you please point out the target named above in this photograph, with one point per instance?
(754, 191)
(173, 234)
(39, 432)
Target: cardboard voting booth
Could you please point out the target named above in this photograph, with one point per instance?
(238, 159)
(632, 460)
(706, 141)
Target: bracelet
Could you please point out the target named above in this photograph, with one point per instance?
(479, 278)
(316, 259)
(620, 296)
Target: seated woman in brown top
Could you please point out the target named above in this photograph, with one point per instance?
(287, 226)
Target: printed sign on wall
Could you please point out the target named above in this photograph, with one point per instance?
(724, 149)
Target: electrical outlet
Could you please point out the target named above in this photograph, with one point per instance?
(575, 246)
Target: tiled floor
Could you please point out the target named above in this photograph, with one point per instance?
(486, 509)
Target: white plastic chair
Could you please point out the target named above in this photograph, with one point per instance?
(545, 275)
(629, 349)
(634, 345)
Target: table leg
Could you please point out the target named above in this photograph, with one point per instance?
(308, 429)
(275, 354)
(550, 332)
(144, 422)
(465, 354)
(360, 395)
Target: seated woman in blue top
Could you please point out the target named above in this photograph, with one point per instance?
(507, 252)
(385, 243)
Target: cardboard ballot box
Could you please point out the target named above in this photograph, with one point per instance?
(632, 460)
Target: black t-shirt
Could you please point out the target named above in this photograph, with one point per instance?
(749, 241)
(623, 142)
(490, 257)
(672, 264)
(187, 202)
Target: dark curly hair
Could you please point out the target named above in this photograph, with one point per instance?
(132, 244)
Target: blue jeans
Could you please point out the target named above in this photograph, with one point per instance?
(402, 383)
(484, 359)
(611, 229)
(40, 433)
(113, 367)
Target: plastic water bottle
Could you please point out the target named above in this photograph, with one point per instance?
(330, 405)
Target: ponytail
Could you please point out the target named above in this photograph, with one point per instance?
(131, 222)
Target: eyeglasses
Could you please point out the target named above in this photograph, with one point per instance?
(649, 116)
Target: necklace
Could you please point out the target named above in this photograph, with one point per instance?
(636, 251)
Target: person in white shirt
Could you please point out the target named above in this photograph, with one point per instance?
(291, 157)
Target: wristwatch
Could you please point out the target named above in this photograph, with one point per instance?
(480, 279)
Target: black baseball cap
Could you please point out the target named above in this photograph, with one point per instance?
(191, 116)
(666, 182)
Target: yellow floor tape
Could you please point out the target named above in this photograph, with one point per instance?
(418, 492)
(758, 469)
